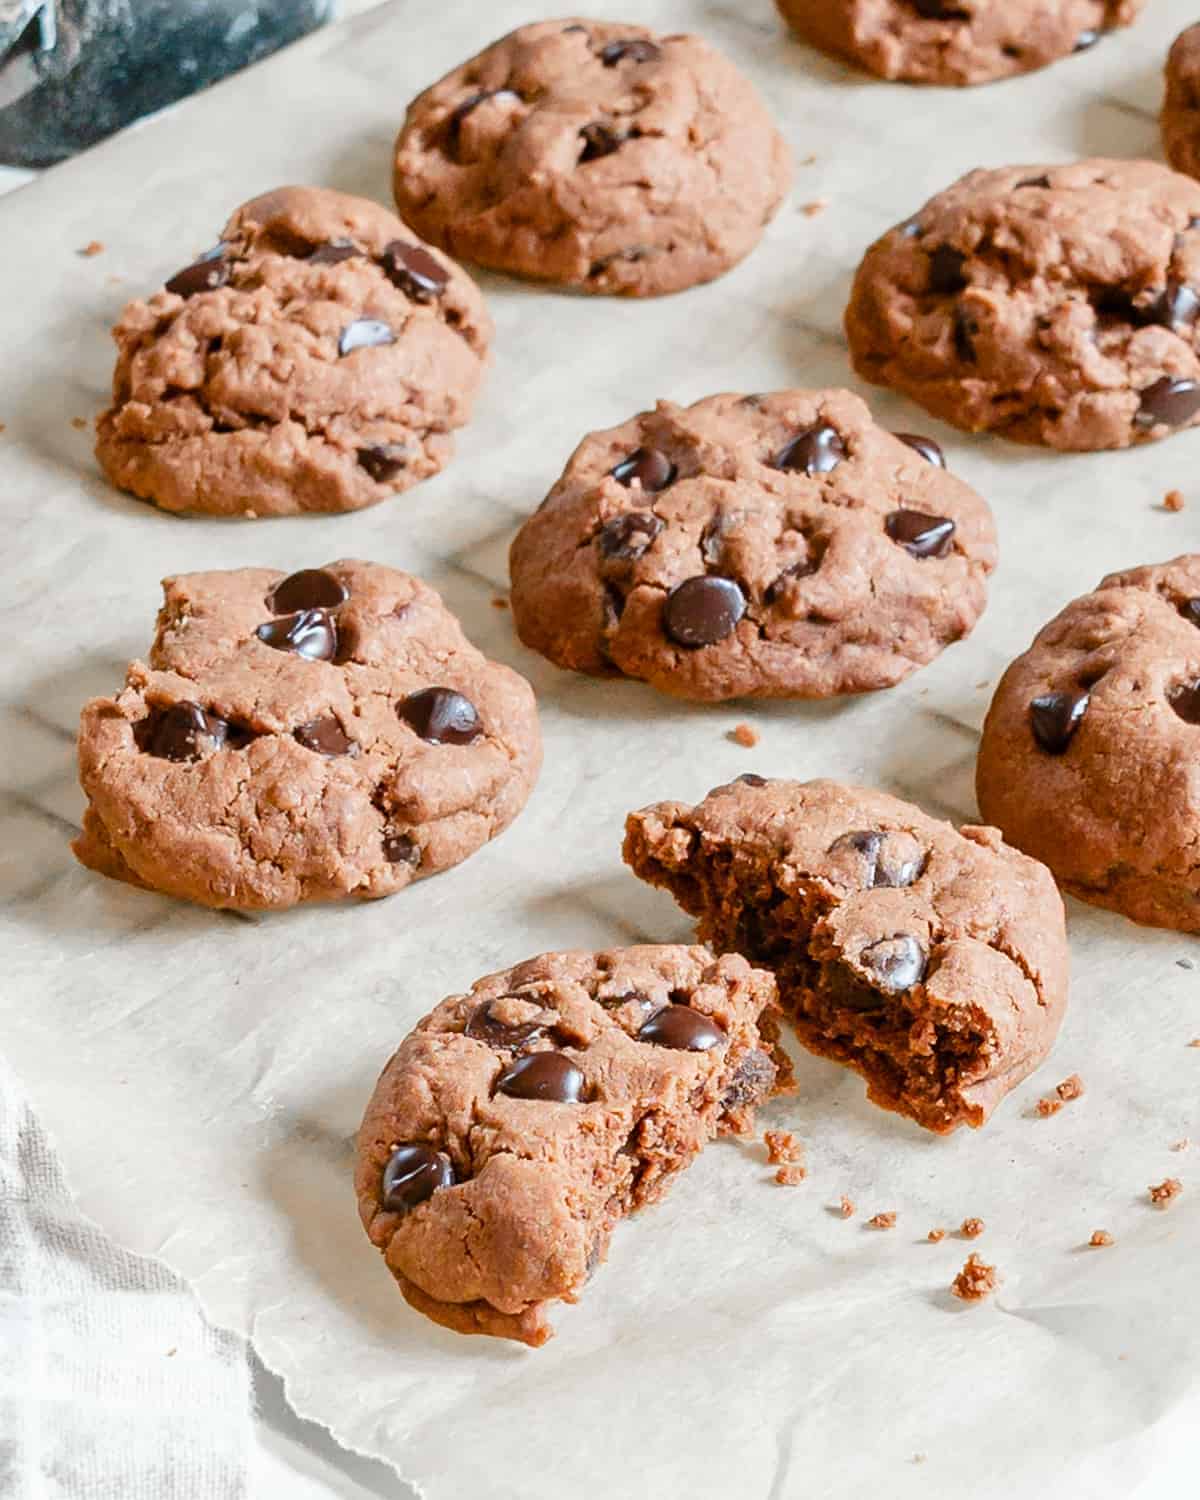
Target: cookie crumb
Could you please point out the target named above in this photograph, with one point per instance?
(975, 1281)
(745, 735)
(972, 1228)
(1048, 1106)
(847, 1207)
(93, 247)
(882, 1221)
(2, 427)
(1173, 500)
(782, 1146)
(79, 424)
(1070, 1088)
(1195, 1042)
(817, 206)
(1184, 963)
(935, 1236)
(920, 1458)
(807, 161)
(1181, 1145)
(499, 603)
(791, 1175)
(1100, 1238)
(1164, 1193)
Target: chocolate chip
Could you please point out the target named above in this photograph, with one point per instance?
(683, 1029)
(1087, 39)
(1176, 306)
(469, 105)
(896, 963)
(712, 538)
(649, 467)
(310, 588)
(628, 536)
(207, 273)
(613, 602)
(888, 861)
(400, 849)
(946, 270)
(816, 450)
(1185, 700)
(910, 229)
(965, 330)
(413, 1174)
(384, 462)
(548, 1076)
(598, 140)
(414, 271)
(637, 50)
(333, 253)
(941, 10)
(701, 611)
(1190, 610)
(310, 633)
(326, 737)
(920, 535)
(1170, 401)
(483, 1026)
(751, 1082)
(441, 716)
(778, 587)
(1054, 718)
(185, 731)
(929, 450)
(751, 778)
(364, 333)
(1034, 182)
(632, 997)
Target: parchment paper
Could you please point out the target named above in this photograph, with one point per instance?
(204, 1074)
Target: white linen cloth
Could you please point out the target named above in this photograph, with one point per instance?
(112, 1385)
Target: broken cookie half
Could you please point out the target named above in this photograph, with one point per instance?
(931, 959)
(519, 1123)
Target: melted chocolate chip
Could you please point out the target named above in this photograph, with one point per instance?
(310, 633)
(204, 275)
(1086, 39)
(325, 737)
(483, 1026)
(965, 330)
(929, 450)
(702, 611)
(940, 10)
(628, 536)
(920, 535)
(649, 467)
(1176, 306)
(1034, 182)
(185, 731)
(1054, 718)
(364, 333)
(632, 997)
(683, 1029)
(888, 862)
(895, 963)
(468, 106)
(413, 1174)
(1170, 401)
(414, 271)
(752, 778)
(946, 270)
(817, 450)
(1185, 700)
(333, 252)
(310, 588)
(636, 50)
(384, 462)
(441, 716)
(598, 140)
(778, 587)
(548, 1076)
(910, 229)
(1190, 610)
(400, 849)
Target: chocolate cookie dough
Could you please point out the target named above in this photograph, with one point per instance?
(1181, 106)
(316, 359)
(956, 41)
(1090, 748)
(765, 546)
(594, 155)
(1053, 305)
(519, 1123)
(327, 734)
(931, 959)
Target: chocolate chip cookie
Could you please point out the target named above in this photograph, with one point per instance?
(931, 959)
(780, 545)
(1181, 106)
(519, 1123)
(956, 41)
(1053, 305)
(597, 156)
(330, 733)
(1090, 748)
(316, 359)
